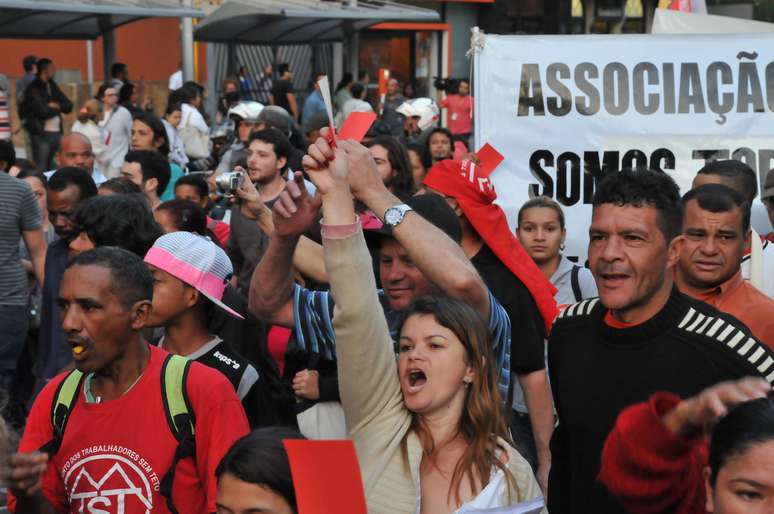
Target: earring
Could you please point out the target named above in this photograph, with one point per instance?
(561, 247)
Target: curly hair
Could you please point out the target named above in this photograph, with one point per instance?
(644, 187)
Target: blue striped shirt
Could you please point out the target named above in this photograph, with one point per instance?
(313, 328)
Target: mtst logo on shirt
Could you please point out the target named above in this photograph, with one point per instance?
(109, 479)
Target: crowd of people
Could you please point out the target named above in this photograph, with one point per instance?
(181, 294)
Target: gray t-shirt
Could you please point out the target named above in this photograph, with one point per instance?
(18, 213)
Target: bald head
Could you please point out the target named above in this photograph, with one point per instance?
(75, 150)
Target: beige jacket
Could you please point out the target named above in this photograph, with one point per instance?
(377, 419)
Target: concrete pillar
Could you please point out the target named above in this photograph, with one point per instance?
(186, 44)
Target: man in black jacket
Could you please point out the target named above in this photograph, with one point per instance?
(640, 336)
(43, 106)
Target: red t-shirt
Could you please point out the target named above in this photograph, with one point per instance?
(114, 454)
(278, 340)
(221, 230)
(458, 119)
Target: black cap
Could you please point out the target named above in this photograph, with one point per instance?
(434, 209)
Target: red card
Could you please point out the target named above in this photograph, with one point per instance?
(488, 160)
(326, 476)
(356, 125)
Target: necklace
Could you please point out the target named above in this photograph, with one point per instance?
(98, 399)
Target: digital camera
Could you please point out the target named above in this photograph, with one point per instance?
(228, 183)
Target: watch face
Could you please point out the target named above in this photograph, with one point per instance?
(392, 216)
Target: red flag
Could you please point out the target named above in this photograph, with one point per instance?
(326, 477)
(475, 194)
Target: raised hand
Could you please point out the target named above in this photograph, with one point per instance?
(326, 166)
(295, 210)
(711, 404)
(363, 176)
(252, 205)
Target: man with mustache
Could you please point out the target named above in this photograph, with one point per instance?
(716, 233)
(640, 336)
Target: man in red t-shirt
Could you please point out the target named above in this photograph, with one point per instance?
(117, 446)
(460, 110)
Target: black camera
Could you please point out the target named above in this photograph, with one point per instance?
(446, 84)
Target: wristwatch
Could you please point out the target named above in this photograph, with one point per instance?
(395, 214)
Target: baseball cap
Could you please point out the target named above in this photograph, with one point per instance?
(434, 209)
(195, 260)
(768, 186)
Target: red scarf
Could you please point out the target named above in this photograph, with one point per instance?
(475, 195)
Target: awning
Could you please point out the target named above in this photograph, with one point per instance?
(80, 19)
(289, 22)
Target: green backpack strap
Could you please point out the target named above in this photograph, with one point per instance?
(180, 417)
(63, 404)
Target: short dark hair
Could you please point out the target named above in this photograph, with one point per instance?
(641, 187)
(33, 173)
(7, 154)
(737, 174)
(131, 282)
(125, 93)
(117, 68)
(153, 165)
(159, 131)
(747, 424)
(440, 130)
(718, 198)
(125, 221)
(357, 89)
(282, 68)
(28, 62)
(73, 176)
(361, 74)
(120, 186)
(43, 63)
(186, 216)
(172, 107)
(275, 137)
(260, 458)
(194, 180)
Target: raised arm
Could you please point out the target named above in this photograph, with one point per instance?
(271, 287)
(424, 242)
(660, 442)
(368, 382)
(308, 257)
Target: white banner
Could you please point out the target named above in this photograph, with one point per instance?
(563, 110)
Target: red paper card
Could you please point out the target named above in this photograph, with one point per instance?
(356, 125)
(326, 477)
(488, 160)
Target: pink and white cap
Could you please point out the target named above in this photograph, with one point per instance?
(195, 260)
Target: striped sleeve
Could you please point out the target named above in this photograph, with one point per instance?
(756, 356)
(500, 337)
(313, 321)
